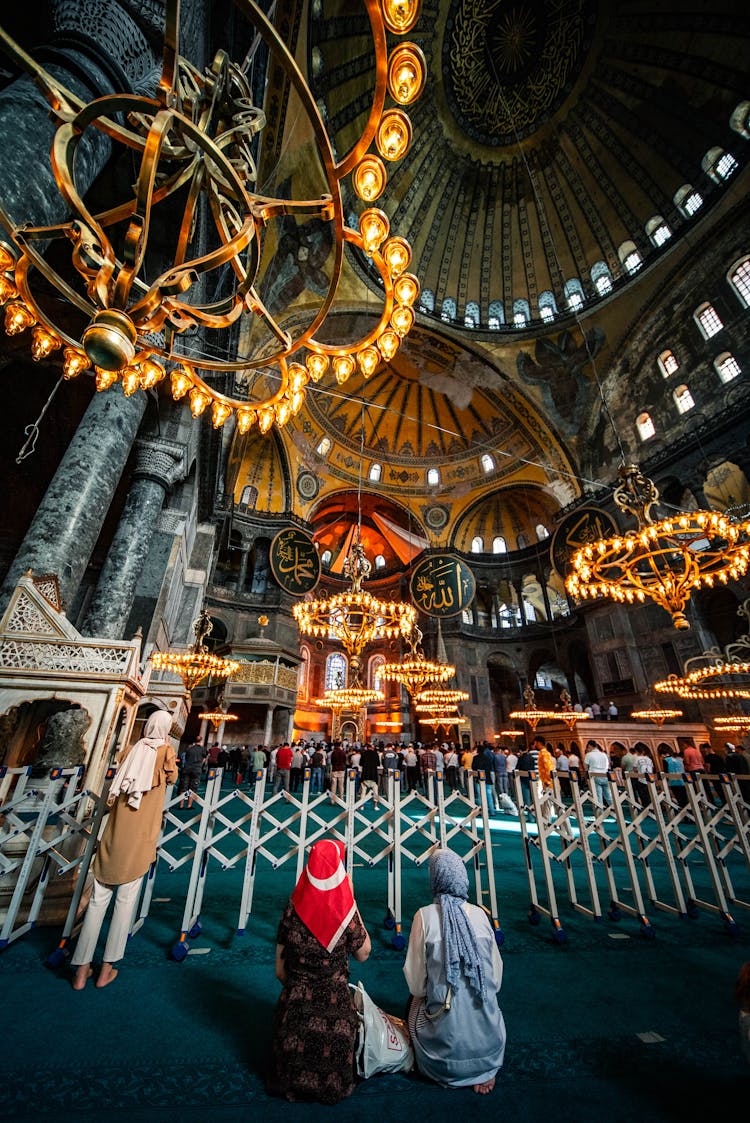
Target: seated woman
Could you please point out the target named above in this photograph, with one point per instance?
(315, 1025)
(453, 970)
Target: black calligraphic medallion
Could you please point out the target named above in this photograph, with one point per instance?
(442, 585)
(580, 528)
(294, 561)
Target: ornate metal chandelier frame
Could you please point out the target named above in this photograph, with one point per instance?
(660, 561)
(416, 672)
(194, 665)
(195, 135)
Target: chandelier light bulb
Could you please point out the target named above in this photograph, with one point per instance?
(17, 318)
(283, 412)
(343, 367)
(105, 378)
(369, 178)
(245, 419)
(374, 228)
(43, 343)
(74, 362)
(393, 136)
(298, 377)
(406, 289)
(131, 381)
(400, 15)
(151, 373)
(266, 418)
(397, 255)
(317, 365)
(198, 401)
(368, 359)
(8, 290)
(402, 320)
(388, 344)
(181, 383)
(219, 413)
(7, 259)
(296, 401)
(406, 73)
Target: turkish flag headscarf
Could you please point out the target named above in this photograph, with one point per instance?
(323, 898)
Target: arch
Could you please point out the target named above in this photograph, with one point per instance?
(541, 532)
(645, 426)
(477, 544)
(427, 301)
(687, 200)
(708, 320)
(658, 230)
(496, 315)
(739, 120)
(629, 256)
(726, 366)
(448, 310)
(718, 164)
(324, 446)
(547, 306)
(488, 462)
(574, 295)
(738, 276)
(521, 313)
(337, 669)
(374, 665)
(683, 399)
(667, 363)
(379, 561)
(303, 672)
(433, 477)
(376, 471)
(601, 278)
(325, 558)
(471, 315)
(499, 545)
(249, 496)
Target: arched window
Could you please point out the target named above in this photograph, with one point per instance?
(630, 258)
(739, 122)
(324, 447)
(477, 545)
(471, 315)
(521, 313)
(707, 319)
(379, 561)
(303, 673)
(667, 363)
(541, 532)
(496, 317)
(522, 541)
(376, 470)
(336, 668)
(499, 545)
(601, 278)
(573, 290)
(739, 278)
(427, 301)
(448, 310)
(249, 496)
(658, 230)
(645, 426)
(687, 200)
(727, 367)
(488, 462)
(719, 165)
(325, 558)
(547, 306)
(683, 399)
(317, 62)
(433, 477)
(374, 669)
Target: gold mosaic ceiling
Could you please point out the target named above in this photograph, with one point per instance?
(549, 134)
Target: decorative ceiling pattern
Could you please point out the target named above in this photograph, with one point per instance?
(514, 514)
(551, 132)
(256, 466)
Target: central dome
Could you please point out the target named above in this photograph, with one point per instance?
(508, 66)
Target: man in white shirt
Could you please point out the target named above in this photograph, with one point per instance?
(597, 766)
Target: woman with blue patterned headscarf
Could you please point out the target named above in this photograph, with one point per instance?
(453, 970)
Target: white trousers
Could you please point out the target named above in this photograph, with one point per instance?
(117, 937)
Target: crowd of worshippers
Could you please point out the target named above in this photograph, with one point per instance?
(331, 766)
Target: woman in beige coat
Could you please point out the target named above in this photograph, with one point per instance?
(127, 847)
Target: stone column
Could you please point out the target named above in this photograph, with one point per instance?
(518, 586)
(545, 597)
(68, 521)
(242, 577)
(158, 465)
(268, 731)
(290, 726)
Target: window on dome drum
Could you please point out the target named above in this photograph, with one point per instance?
(739, 122)
(379, 561)
(667, 363)
(707, 319)
(477, 545)
(376, 471)
(683, 399)
(427, 301)
(630, 258)
(448, 310)
(466, 616)
(521, 313)
(522, 541)
(325, 557)
(499, 545)
(573, 294)
(719, 165)
(601, 278)
(547, 306)
(541, 532)
(488, 462)
(249, 496)
(687, 200)
(645, 426)
(727, 367)
(324, 447)
(658, 231)
(336, 668)
(471, 316)
(496, 315)
(433, 477)
(542, 681)
(739, 278)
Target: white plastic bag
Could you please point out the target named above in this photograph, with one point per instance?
(383, 1044)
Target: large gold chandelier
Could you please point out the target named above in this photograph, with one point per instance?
(102, 312)
(197, 662)
(217, 717)
(660, 561)
(348, 699)
(657, 714)
(355, 617)
(533, 715)
(416, 672)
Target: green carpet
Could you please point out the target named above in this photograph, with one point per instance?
(608, 1025)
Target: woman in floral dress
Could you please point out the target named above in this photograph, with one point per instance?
(315, 1024)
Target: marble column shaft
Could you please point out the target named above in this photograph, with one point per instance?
(68, 521)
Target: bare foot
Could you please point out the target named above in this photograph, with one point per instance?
(82, 976)
(107, 975)
(484, 1089)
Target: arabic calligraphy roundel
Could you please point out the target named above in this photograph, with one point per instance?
(295, 562)
(442, 585)
(577, 529)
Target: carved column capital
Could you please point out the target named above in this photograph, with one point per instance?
(159, 460)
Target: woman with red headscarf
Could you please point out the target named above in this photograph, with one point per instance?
(315, 1025)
